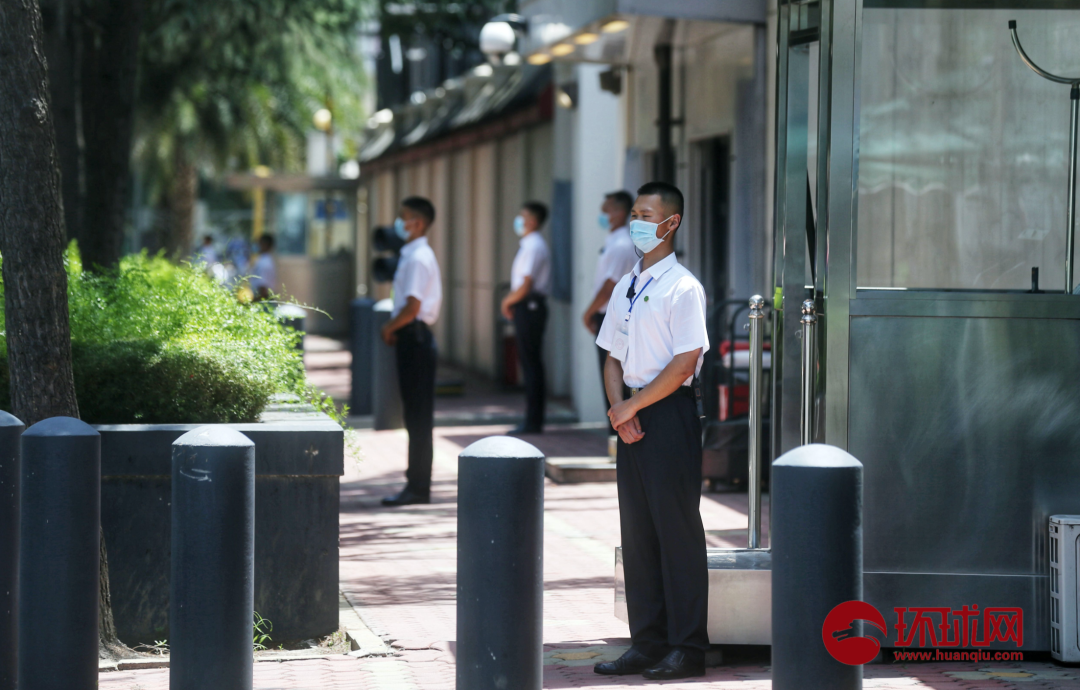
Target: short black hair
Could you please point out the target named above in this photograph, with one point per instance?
(622, 198)
(538, 210)
(669, 195)
(421, 206)
(207, 238)
(268, 239)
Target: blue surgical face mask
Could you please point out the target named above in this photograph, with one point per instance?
(643, 234)
(604, 222)
(399, 229)
(519, 226)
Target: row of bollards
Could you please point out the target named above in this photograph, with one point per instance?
(50, 526)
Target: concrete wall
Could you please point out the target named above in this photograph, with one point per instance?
(597, 165)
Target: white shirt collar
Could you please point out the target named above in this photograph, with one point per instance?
(659, 268)
(531, 237)
(412, 246)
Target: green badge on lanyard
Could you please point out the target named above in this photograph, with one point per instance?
(646, 298)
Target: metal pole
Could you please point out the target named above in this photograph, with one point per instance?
(10, 466)
(385, 392)
(59, 550)
(809, 322)
(211, 597)
(757, 324)
(817, 565)
(361, 325)
(500, 565)
(1070, 237)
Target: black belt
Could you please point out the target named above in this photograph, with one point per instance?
(685, 391)
(417, 325)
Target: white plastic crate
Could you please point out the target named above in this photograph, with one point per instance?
(1064, 631)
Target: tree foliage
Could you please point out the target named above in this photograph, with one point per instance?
(234, 83)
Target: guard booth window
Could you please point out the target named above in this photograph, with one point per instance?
(963, 153)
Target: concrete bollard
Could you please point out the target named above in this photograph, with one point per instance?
(213, 549)
(500, 565)
(10, 466)
(385, 394)
(59, 540)
(816, 564)
(362, 344)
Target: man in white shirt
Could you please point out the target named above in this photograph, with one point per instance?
(263, 271)
(655, 334)
(417, 299)
(617, 258)
(526, 306)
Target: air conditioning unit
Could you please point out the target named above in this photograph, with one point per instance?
(1064, 623)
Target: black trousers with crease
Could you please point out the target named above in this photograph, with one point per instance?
(416, 360)
(663, 541)
(530, 320)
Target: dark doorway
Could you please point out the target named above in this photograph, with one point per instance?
(714, 156)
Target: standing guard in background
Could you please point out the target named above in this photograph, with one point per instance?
(617, 258)
(417, 298)
(526, 306)
(655, 334)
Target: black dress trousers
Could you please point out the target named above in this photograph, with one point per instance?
(663, 541)
(416, 358)
(530, 319)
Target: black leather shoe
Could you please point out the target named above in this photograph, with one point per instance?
(405, 498)
(519, 430)
(677, 664)
(630, 663)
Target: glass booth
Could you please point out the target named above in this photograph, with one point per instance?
(925, 199)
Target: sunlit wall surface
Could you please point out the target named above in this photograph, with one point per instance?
(963, 166)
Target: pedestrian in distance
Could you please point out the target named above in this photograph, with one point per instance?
(617, 258)
(417, 300)
(263, 270)
(526, 306)
(656, 338)
(206, 253)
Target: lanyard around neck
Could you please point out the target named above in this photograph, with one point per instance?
(636, 296)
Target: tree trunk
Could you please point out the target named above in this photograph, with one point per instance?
(182, 197)
(110, 51)
(32, 225)
(61, 20)
(32, 235)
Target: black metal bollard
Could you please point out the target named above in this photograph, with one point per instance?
(385, 395)
(500, 565)
(361, 325)
(213, 550)
(816, 564)
(10, 453)
(59, 540)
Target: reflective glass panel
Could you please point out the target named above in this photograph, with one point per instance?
(963, 165)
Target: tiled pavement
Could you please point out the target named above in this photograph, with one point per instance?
(398, 570)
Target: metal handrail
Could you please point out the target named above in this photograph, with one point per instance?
(1074, 96)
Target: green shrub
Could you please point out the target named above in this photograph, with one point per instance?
(153, 342)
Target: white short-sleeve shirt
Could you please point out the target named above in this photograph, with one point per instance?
(263, 273)
(668, 319)
(617, 258)
(532, 261)
(418, 276)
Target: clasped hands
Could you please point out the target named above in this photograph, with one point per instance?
(624, 420)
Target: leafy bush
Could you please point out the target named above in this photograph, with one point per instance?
(153, 342)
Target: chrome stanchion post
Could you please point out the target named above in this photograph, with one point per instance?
(757, 324)
(809, 321)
